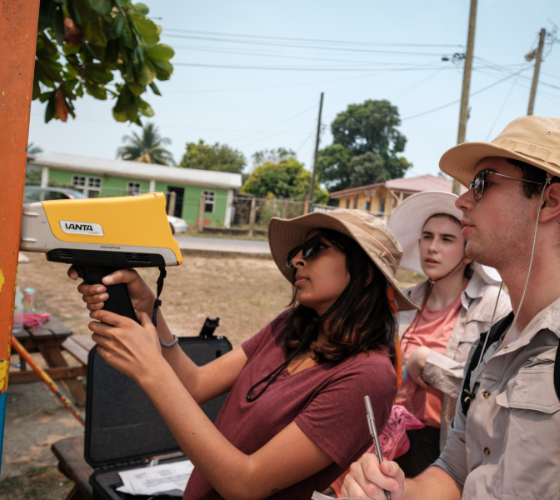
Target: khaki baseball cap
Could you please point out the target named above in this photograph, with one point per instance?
(368, 231)
(532, 139)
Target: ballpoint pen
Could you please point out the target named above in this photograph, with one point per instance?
(373, 431)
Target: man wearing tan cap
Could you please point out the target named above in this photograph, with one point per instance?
(505, 439)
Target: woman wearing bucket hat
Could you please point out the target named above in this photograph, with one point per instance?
(294, 418)
(456, 306)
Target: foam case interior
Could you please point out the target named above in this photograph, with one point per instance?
(122, 424)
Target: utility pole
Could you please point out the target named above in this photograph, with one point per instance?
(18, 40)
(536, 73)
(313, 172)
(464, 113)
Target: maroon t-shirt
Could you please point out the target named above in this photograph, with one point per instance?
(326, 402)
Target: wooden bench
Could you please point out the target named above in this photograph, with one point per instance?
(70, 455)
(49, 340)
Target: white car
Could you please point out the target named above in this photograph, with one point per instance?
(177, 225)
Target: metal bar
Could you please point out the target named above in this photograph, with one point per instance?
(47, 380)
(18, 39)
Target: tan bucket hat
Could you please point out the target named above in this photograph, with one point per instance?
(532, 139)
(409, 218)
(368, 231)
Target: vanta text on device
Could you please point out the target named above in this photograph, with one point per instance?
(85, 228)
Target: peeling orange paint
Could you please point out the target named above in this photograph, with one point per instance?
(1, 279)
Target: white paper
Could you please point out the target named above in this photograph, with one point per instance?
(320, 496)
(168, 478)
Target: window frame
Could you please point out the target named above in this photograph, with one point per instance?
(209, 201)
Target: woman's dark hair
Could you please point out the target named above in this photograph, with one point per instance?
(360, 320)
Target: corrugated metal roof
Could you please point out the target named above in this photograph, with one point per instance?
(416, 184)
(137, 170)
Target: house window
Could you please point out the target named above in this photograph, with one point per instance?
(368, 206)
(79, 182)
(348, 203)
(356, 202)
(133, 188)
(210, 200)
(382, 206)
(94, 187)
(90, 186)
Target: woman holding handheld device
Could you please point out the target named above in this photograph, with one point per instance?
(293, 420)
(456, 305)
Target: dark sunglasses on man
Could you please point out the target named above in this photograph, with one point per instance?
(477, 185)
(311, 246)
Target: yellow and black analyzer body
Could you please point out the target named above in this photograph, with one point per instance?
(101, 235)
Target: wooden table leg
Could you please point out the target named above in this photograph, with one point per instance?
(54, 358)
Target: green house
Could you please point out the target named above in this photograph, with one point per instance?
(97, 177)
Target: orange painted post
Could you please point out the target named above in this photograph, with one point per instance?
(18, 38)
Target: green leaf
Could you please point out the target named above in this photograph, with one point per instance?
(120, 116)
(144, 25)
(58, 25)
(160, 51)
(70, 72)
(79, 90)
(101, 6)
(68, 49)
(146, 73)
(83, 11)
(149, 112)
(132, 112)
(36, 87)
(116, 27)
(99, 73)
(50, 112)
(94, 33)
(136, 88)
(141, 103)
(142, 8)
(154, 88)
(46, 96)
(151, 39)
(96, 91)
(111, 56)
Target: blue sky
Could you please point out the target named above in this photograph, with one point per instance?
(368, 50)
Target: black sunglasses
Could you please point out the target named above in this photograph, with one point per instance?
(477, 185)
(311, 246)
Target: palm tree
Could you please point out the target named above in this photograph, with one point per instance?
(146, 149)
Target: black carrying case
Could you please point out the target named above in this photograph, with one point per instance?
(123, 427)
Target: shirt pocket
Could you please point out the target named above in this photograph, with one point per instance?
(529, 467)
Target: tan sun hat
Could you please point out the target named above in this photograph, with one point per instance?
(532, 139)
(407, 223)
(368, 231)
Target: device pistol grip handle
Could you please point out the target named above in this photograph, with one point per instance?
(119, 301)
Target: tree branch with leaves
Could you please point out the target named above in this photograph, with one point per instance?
(83, 44)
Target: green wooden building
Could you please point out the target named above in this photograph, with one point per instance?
(97, 177)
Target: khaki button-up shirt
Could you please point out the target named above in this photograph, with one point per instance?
(508, 447)
(445, 372)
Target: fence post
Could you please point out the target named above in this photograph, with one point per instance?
(171, 201)
(252, 216)
(18, 41)
(306, 205)
(200, 220)
(285, 213)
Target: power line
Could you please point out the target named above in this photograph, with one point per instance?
(459, 100)
(278, 123)
(302, 68)
(286, 56)
(312, 40)
(272, 44)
